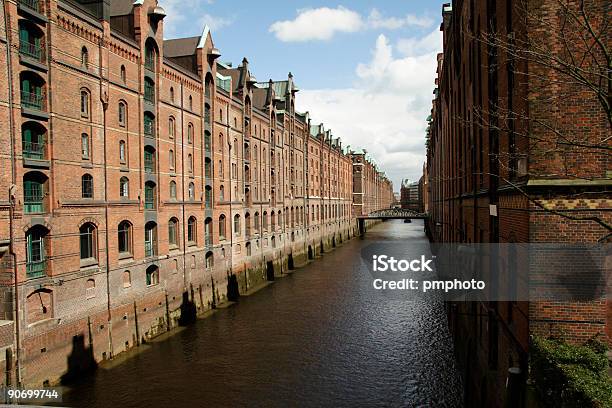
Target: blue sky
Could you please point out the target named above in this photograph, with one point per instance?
(364, 68)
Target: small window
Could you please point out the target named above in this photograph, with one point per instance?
(123, 74)
(221, 193)
(222, 226)
(171, 159)
(87, 186)
(192, 230)
(152, 275)
(236, 224)
(190, 163)
(124, 237)
(84, 103)
(85, 146)
(127, 279)
(190, 103)
(191, 191)
(84, 58)
(171, 94)
(173, 232)
(90, 289)
(173, 189)
(88, 241)
(190, 134)
(121, 114)
(122, 151)
(171, 127)
(124, 187)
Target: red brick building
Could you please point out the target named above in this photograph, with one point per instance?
(138, 173)
(514, 158)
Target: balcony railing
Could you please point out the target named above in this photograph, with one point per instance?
(32, 150)
(207, 144)
(34, 5)
(33, 204)
(36, 269)
(33, 51)
(149, 166)
(149, 249)
(33, 101)
(149, 129)
(149, 94)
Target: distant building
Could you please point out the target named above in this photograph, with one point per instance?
(410, 196)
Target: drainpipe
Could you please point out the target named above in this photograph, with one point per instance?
(183, 188)
(106, 238)
(12, 188)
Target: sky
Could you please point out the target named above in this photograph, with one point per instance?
(365, 69)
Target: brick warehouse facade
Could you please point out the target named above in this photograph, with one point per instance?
(496, 174)
(139, 174)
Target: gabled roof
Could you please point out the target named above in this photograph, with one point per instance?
(180, 47)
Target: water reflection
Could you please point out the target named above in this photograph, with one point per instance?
(319, 337)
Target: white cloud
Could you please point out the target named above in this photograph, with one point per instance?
(384, 112)
(376, 20)
(317, 24)
(180, 13)
(323, 23)
(416, 46)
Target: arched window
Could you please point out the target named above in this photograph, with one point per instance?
(171, 160)
(221, 193)
(220, 167)
(190, 133)
(122, 113)
(210, 260)
(87, 188)
(264, 220)
(152, 275)
(123, 74)
(190, 103)
(272, 220)
(192, 230)
(150, 54)
(208, 231)
(127, 279)
(173, 189)
(124, 238)
(248, 248)
(173, 232)
(222, 226)
(149, 159)
(256, 222)
(85, 103)
(191, 191)
(90, 289)
(124, 187)
(221, 142)
(236, 224)
(84, 145)
(84, 58)
(149, 124)
(33, 140)
(88, 234)
(150, 239)
(35, 251)
(122, 155)
(171, 94)
(190, 163)
(150, 195)
(171, 127)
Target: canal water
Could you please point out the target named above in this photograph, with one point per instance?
(319, 337)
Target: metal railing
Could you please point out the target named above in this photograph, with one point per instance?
(149, 128)
(149, 249)
(33, 204)
(33, 51)
(33, 150)
(36, 269)
(33, 101)
(149, 94)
